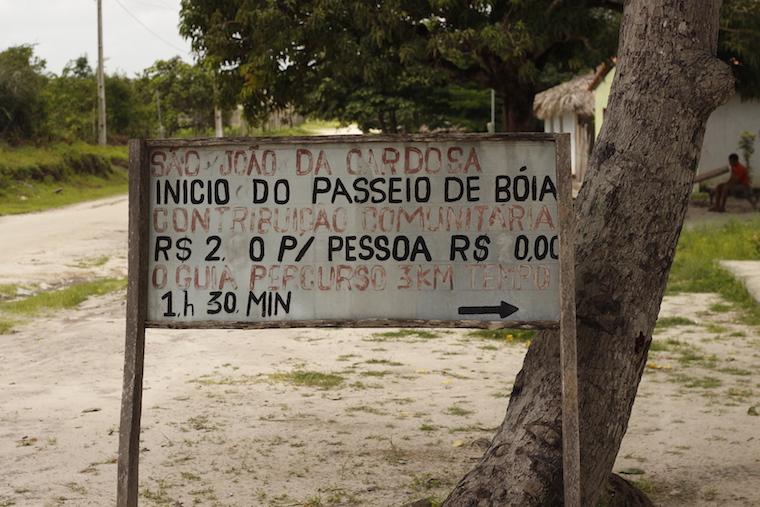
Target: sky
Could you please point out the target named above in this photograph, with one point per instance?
(62, 30)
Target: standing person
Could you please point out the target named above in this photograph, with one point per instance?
(739, 179)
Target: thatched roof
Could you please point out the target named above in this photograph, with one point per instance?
(569, 97)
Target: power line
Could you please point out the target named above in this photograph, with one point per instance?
(156, 5)
(150, 30)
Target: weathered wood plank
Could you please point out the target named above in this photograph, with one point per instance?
(137, 288)
(400, 138)
(571, 456)
(517, 324)
(707, 175)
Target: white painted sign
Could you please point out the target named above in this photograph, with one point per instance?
(354, 229)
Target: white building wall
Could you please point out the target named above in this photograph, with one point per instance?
(566, 123)
(722, 135)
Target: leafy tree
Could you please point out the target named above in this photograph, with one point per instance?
(71, 99)
(388, 64)
(353, 60)
(738, 43)
(129, 113)
(22, 108)
(185, 93)
(519, 48)
(72, 105)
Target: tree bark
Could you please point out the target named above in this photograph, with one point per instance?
(516, 110)
(629, 215)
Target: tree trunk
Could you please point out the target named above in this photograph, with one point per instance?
(516, 110)
(629, 215)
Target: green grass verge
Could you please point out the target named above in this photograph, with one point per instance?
(67, 297)
(42, 196)
(695, 267)
(37, 178)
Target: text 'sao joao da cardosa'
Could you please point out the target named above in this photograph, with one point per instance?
(351, 230)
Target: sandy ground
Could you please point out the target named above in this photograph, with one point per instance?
(59, 245)
(411, 413)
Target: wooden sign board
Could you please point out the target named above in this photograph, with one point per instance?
(456, 230)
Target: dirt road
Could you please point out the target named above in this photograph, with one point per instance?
(79, 241)
(325, 417)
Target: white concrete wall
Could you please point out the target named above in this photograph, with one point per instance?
(722, 135)
(566, 124)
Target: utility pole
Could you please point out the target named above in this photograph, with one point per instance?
(218, 121)
(101, 81)
(161, 132)
(218, 125)
(492, 123)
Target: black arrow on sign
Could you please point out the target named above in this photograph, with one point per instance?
(504, 310)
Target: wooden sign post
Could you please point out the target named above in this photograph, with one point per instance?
(437, 231)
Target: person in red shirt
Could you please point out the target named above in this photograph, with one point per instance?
(739, 179)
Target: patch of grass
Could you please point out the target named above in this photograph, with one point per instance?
(464, 429)
(313, 501)
(458, 411)
(715, 328)
(505, 334)
(303, 378)
(8, 290)
(695, 267)
(361, 385)
(692, 382)
(340, 496)
(720, 308)
(210, 380)
(160, 495)
(366, 409)
(665, 345)
(736, 392)
(424, 482)
(644, 485)
(190, 476)
(735, 371)
(77, 488)
(692, 355)
(93, 262)
(376, 373)
(384, 361)
(428, 427)
(405, 333)
(6, 326)
(68, 297)
(666, 322)
(201, 423)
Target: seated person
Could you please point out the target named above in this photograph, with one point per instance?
(739, 179)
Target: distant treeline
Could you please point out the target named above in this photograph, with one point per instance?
(171, 97)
